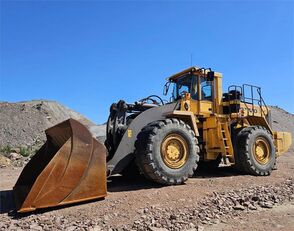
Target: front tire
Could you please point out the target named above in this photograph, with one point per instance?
(255, 151)
(167, 152)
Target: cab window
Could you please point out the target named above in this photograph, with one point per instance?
(183, 86)
(206, 89)
(194, 88)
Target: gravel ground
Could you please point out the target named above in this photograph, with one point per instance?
(278, 218)
(213, 209)
(207, 201)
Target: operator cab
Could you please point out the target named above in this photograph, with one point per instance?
(195, 81)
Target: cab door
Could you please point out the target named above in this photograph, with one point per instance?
(202, 96)
(206, 96)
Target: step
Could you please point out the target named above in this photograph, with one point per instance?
(215, 150)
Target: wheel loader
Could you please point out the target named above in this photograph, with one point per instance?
(163, 140)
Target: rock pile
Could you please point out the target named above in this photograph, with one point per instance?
(215, 208)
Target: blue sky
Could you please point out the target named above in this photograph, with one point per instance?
(89, 54)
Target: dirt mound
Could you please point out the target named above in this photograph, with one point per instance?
(24, 123)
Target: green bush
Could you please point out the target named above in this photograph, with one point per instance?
(6, 149)
(24, 151)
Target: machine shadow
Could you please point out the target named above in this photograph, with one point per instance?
(6, 201)
(224, 171)
(120, 183)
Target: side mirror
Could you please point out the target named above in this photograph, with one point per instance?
(166, 87)
(210, 76)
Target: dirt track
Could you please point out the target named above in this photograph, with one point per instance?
(129, 200)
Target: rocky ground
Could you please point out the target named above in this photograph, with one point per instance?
(219, 201)
(223, 200)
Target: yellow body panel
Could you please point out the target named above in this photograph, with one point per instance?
(218, 138)
(199, 107)
(252, 111)
(283, 141)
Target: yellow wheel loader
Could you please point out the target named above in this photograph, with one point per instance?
(166, 141)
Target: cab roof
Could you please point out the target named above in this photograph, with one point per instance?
(190, 70)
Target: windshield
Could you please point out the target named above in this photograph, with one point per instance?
(189, 84)
(182, 86)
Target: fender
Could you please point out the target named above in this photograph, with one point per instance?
(125, 151)
(187, 116)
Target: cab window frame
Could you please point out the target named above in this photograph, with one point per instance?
(202, 80)
(196, 93)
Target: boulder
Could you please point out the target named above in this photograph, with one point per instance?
(4, 161)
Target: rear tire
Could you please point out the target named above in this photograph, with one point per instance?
(167, 152)
(255, 151)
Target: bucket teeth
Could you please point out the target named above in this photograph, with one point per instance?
(70, 167)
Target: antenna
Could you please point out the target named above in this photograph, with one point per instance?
(191, 59)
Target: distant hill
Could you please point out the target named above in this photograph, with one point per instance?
(24, 123)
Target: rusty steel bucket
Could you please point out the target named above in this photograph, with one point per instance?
(70, 167)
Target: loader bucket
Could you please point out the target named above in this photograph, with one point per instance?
(70, 167)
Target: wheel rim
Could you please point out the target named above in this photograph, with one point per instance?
(261, 151)
(174, 151)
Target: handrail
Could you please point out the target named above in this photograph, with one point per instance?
(250, 101)
(260, 101)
